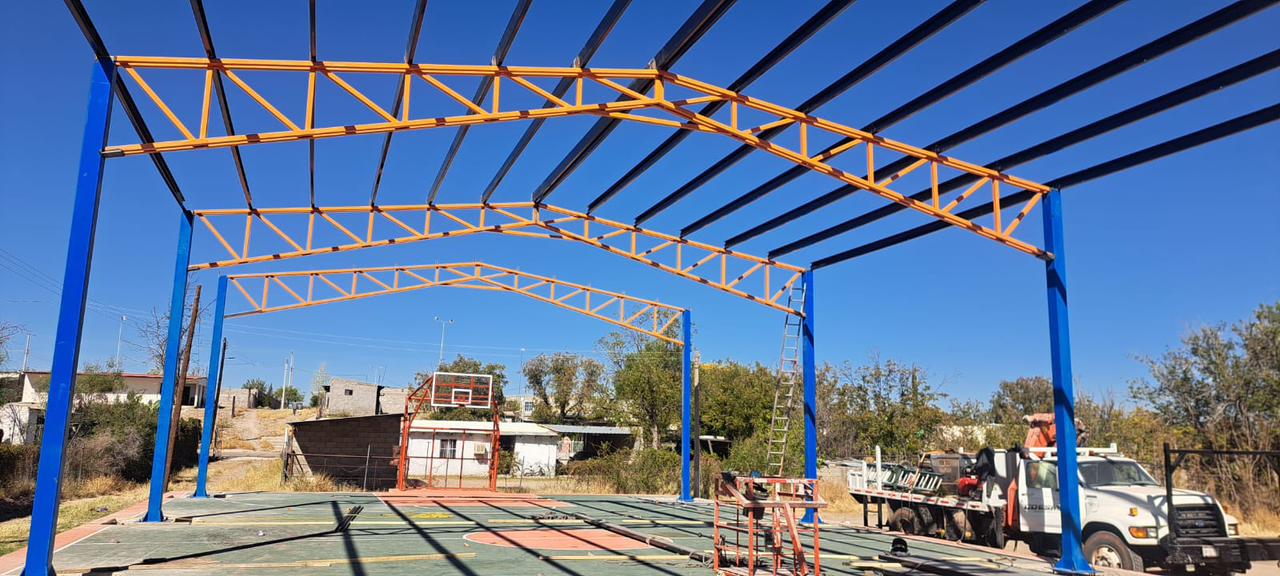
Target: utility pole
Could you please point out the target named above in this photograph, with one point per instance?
(119, 338)
(443, 324)
(26, 353)
(181, 391)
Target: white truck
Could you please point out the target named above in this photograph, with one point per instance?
(1001, 495)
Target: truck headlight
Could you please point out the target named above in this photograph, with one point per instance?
(1233, 529)
(1142, 531)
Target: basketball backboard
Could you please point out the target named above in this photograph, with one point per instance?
(451, 389)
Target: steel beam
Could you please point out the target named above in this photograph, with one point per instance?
(686, 407)
(206, 39)
(81, 16)
(606, 25)
(798, 37)
(1072, 561)
(992, 64)
(164, 420)
(410, 52)
(1152, 107)
(1167, 148)
(482, 91)
(211, 390)
(698, 24)
(1114, 67)
(886, 56)
(66, 353)
(810, 367)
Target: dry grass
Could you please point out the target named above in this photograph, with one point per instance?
(272, 422)
(13, 533)
(232, 442)
(1261, 523)
(260, 475)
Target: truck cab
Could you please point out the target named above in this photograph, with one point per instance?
(1123, 518)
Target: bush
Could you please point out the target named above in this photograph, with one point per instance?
(645, 471)
(751, 455)
(118, 439)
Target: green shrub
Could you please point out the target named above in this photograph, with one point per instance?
(646, 471)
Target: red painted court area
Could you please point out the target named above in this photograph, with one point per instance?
(590, 539)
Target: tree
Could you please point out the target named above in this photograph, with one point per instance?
(7, 332)
(154, 332)
(568, 387)
(264, 394)
(1020, 397)
(1221, 389)
(646, 380)
(736, 398)
(319, 384)
(884, 403)
(465, 365)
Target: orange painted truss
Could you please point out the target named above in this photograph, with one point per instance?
(748, 117)
(318, 287)
(298, 232)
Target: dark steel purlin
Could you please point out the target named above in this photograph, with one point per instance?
(99, 48)
(410, 51)
(788, 45)
(697, 25)
(1203, 136)
(602, 31)
(1116, 66)
(206, 39)
(499, 58)
(1152, 107)
(992, 64)
(900, 47)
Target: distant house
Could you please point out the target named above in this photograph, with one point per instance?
(345, 397)
(22, 422)
(452, 447)
(577, 442)
(145, 386)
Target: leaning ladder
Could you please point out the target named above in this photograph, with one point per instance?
(789, 375)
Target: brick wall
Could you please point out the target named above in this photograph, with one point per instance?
(336, 448)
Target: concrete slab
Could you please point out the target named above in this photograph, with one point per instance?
(472, 534)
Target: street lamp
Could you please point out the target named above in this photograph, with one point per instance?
(443, 324)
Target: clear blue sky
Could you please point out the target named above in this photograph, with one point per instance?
(1153, 252)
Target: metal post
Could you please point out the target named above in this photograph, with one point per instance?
(1073, 560)
(211, 390)
(66, 353)
(810, 388)
(697, 426)
(686, 407)
(177, 301)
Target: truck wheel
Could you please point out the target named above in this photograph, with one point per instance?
(904, 520)
(995, 529)
(958, 527)
(1104, 549)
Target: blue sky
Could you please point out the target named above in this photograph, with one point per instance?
(1153, 252)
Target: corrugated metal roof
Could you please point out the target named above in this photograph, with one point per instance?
(571, 429)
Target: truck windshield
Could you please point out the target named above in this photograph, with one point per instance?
(1114, 473)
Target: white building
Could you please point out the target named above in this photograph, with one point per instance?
(146, 386)
(454, 447)
(21, 422)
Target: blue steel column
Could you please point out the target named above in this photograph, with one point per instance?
(177, 303)
(211, 390)
(1073, 560)
(686, 408)
(66, 352)
(810, 386)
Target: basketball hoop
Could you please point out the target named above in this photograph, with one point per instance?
(454, 390)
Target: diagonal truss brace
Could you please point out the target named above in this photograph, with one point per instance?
(626, 104)
(276, 292)
(307, 231)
